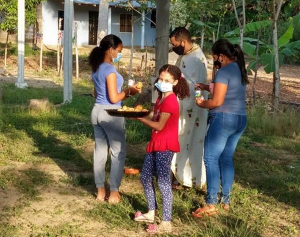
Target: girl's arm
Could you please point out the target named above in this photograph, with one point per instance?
(114, 96)
(218, 98)
(159, 125)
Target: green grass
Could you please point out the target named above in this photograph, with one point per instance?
(266, 193)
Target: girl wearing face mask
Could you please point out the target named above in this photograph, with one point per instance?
(109, 131)
(163, 144)
(227, 121)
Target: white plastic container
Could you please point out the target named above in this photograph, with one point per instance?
(130, 82)
(197, 93)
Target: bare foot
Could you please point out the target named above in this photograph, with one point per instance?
(114, 197)
(101, 194)
(165, 226)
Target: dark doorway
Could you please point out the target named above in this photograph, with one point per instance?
(93, 28)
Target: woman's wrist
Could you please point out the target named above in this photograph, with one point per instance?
(127, 92)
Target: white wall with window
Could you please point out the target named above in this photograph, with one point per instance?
(121, 26)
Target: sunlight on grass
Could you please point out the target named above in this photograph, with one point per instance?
(266, 191)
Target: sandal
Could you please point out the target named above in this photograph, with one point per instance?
(208, 210)
(140, 217)
(158, 229)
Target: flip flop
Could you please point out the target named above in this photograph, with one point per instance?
(205, 211)
(140, 217)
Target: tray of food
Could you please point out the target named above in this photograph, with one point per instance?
(129, 112)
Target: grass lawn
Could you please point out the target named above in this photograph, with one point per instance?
(47, 187)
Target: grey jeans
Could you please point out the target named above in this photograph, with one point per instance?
(109, 134)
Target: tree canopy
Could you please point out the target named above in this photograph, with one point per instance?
(9, 9)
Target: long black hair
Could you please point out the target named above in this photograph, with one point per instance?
(181, 89)
(97, 55)
(233, 52)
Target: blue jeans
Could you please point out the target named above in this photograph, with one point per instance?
(223, 133)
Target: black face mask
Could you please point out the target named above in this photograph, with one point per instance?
(179, 49)
(217, 64)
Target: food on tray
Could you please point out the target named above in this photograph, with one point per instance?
(138, 108)
(139, 85)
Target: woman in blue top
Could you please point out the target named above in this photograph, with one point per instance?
(109, 131)
(226, 123)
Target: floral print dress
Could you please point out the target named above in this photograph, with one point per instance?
(188, 165)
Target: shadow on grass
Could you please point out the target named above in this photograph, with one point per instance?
(57, 133)
(273, 172)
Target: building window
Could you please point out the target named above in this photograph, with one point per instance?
(153, 18)
(125, 23)
(60, 17)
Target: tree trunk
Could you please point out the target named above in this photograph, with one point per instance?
(76, 51)
(102, 20)
(162, 39)
(218, 31)
(131, 51)
(276, 75)
(162, 34)
(59, 38)
(202, 37)
(241, 26)
(5, 51)
(41, 52)
(241, 37)
(256, 69)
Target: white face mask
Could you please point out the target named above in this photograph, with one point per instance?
(164, 86)
(117, 59)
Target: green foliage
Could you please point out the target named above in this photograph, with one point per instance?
(10, 10)
(286, 48)
(178, 14)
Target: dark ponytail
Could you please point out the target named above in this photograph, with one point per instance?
(181, 89)
(96, 57)
(233, 52)
(240, 59)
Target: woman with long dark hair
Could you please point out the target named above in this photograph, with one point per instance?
(109, 131)
(227, 121)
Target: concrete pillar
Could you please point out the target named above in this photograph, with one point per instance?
(21, 44)
(67, 44)
(109, 21)
(143, 31)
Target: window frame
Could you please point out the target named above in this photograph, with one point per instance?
(128, 18)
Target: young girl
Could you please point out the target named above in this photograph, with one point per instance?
(109, 131)
(163, 144)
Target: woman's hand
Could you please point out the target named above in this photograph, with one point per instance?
(199, 101)
(202, 86)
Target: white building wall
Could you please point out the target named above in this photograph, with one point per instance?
(126, 36)
(81, 15)
(50, 21)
